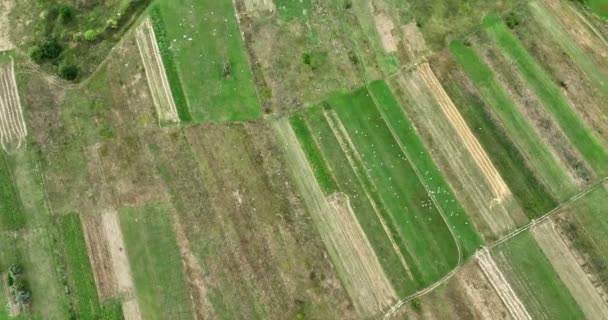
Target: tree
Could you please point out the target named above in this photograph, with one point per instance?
(68, 72)
(50, 49)
(66, 13)
(90, 35)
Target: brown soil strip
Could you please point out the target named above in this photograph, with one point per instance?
(12, 124)
(155, 73)
(99, 255)
(413, 41)
(385, 28)
(569, 271)
(353, 157)
(258, 5)
(500, 188)
(480, 294)
(353, 256)
(502, 286)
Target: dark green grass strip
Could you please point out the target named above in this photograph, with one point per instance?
(583, 139)
(534, 279)
(11, 211)
(77, 262)
(349, 183)
(313, 154)
(531, 194)
(156, 262)
(426, 235)
(455, 214)
(170, 68)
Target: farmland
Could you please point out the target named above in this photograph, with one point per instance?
(273, 159)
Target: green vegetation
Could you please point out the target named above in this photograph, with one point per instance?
(586, 142)
(11, 213)
(529, 143)
(156, 263)
(585, 225)
(529, 192)
(432, 178)
(532, 277)
(289, 9)
(55, 34)
(313, 154)
(352, 181)
(205, 40)
(82, 283)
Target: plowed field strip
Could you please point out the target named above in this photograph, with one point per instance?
(155, 73)
(569, 271)
(498, 185)
(12, 123)
(502, 287)
(350, 249)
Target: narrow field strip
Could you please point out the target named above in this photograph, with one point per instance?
(453, 214)
(12, 124)
(566, 37)
(155, 73)
(586, 142)
(351, 251)
(502, 287)
(501, 190)
(12, 216)
(372, 216)
(550, 171)
(569, 271)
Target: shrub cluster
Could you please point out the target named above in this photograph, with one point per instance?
(18, 287)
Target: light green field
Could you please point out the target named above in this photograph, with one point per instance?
(156, 263)
(204, 37)
(599, 7)
(534, 280)
(590, 147)
(11, 213)
(528, 142)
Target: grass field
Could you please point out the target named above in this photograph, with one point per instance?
(11, 213)
(550, 172)
(587, 143)
(599, 7)
(209, 58)
(534, 280)
(155, 261)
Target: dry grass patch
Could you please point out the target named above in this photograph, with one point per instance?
(155, 73)
(12, 125)
(5, 9)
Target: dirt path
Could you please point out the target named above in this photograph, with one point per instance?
(502, 287)
(570, 272)
(12, 124)
(500, 188)
(155, 73)
(346, 242)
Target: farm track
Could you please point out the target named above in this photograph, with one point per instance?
(346, 241)
(501, 190)
(12, 124)
(398, 305)
(155, 73)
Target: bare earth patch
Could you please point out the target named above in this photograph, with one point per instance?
(413, 41)
(259, 5)
(5, 9)
(570, 272)
(12, 125)
(385, 28)
(502, 286)
(353, 256)
(480, 294)
(155, 72)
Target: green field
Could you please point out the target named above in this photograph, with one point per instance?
(380, 170)
(156, 263)
(11, 213)
(528, 142)
(204, 39)
(586, 142)
(534, 280)
(599, 7)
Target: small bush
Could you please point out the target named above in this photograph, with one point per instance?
(90, 35)
(48, 50)
(36, 54)
(416, 304)
(66, 13)
(512, 20)
(68, 72)
(112, 23)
